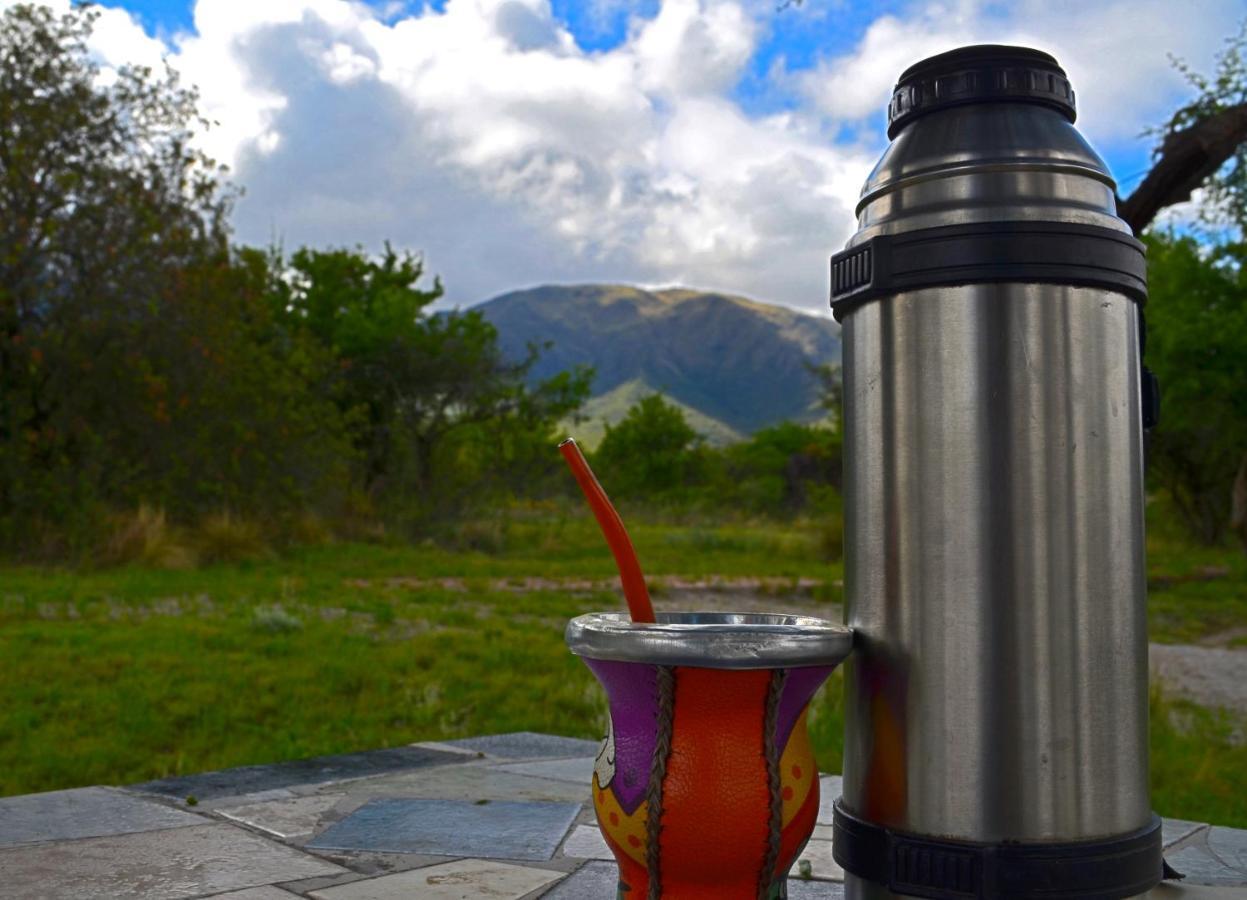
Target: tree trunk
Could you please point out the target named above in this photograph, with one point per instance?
(1238, 504)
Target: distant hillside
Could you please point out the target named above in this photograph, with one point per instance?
(609, 408)
(740, 364)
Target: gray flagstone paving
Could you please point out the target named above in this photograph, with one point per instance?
(586, 842)
(291, 818)
(448, 881)
(578, 770)
(593, 881)
(502, 829)
(83, 812)
(153, 865)
(829, 787)
(501, 816)
(1229, 845)
(527, 745)
(318, 770)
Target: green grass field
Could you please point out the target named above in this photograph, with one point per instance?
(119, 675)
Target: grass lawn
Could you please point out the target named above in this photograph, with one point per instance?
(126, 674)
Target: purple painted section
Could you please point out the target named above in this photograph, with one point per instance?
(632, 689)
(798, 689)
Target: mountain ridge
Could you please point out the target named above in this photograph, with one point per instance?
(733, 359)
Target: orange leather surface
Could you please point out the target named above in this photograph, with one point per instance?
(716, 807)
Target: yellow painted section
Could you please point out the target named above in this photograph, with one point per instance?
(798, 773)
(626, 831)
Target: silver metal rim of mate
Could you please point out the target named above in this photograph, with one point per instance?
(711, 640)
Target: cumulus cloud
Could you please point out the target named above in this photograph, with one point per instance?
(485, 136)
(1117, 53)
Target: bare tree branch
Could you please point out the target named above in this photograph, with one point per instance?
(1187, 158)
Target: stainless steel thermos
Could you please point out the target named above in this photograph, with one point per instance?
(990, 301)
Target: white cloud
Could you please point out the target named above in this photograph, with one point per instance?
(1117, 53)
(486, 137)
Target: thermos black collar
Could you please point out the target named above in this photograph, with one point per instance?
(984, 73)
(947, 255)
(1110, 868)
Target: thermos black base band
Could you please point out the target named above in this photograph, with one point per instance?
(1043, 252)
(920, 866)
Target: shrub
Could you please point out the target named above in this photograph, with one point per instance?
(145, 537)
(224, 537)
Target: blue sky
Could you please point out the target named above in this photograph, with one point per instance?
(715, 143)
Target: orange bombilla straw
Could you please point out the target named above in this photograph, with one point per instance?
(613, 530)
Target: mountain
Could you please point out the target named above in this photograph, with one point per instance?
(734, 365)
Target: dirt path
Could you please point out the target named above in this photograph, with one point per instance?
(1210, 676)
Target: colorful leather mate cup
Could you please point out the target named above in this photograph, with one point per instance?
(706, 785)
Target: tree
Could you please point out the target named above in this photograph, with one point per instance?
(1197, 344)
(420, 389)
(137, 356)
(1204, 144)
(775, 470)
(830, 382)
(652, 450)
(102, 202)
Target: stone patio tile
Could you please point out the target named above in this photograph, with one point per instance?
(83, 812)
(527, 745)
(317, 770)
(362, 865)
(469, 782)
(586, 842)
(592, 881)
(257, 893)
(822, 865)
(293, 818)
(1201, 867)
(829, 787)
(499, 830)
(1172, 831)
(578, 769)
(215, 803)
(153, 865)
(599, 880)
(449, 881)
(800, 889)
(1230, 846)
(1178, 890)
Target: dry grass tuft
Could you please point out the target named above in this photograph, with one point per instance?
(145, 537)
(225, 537)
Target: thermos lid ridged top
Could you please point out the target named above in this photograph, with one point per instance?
(983, 73)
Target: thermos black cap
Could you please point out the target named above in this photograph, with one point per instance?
(983, 73)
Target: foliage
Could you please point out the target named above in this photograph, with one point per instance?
(830, 390)
(435, 409)
(1197, 345)
(135, 357)
(1226, 89)
(654, 454)
(652, 451)
(777, 469)
(147, 364)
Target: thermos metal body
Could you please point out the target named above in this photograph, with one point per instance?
(993, 493)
